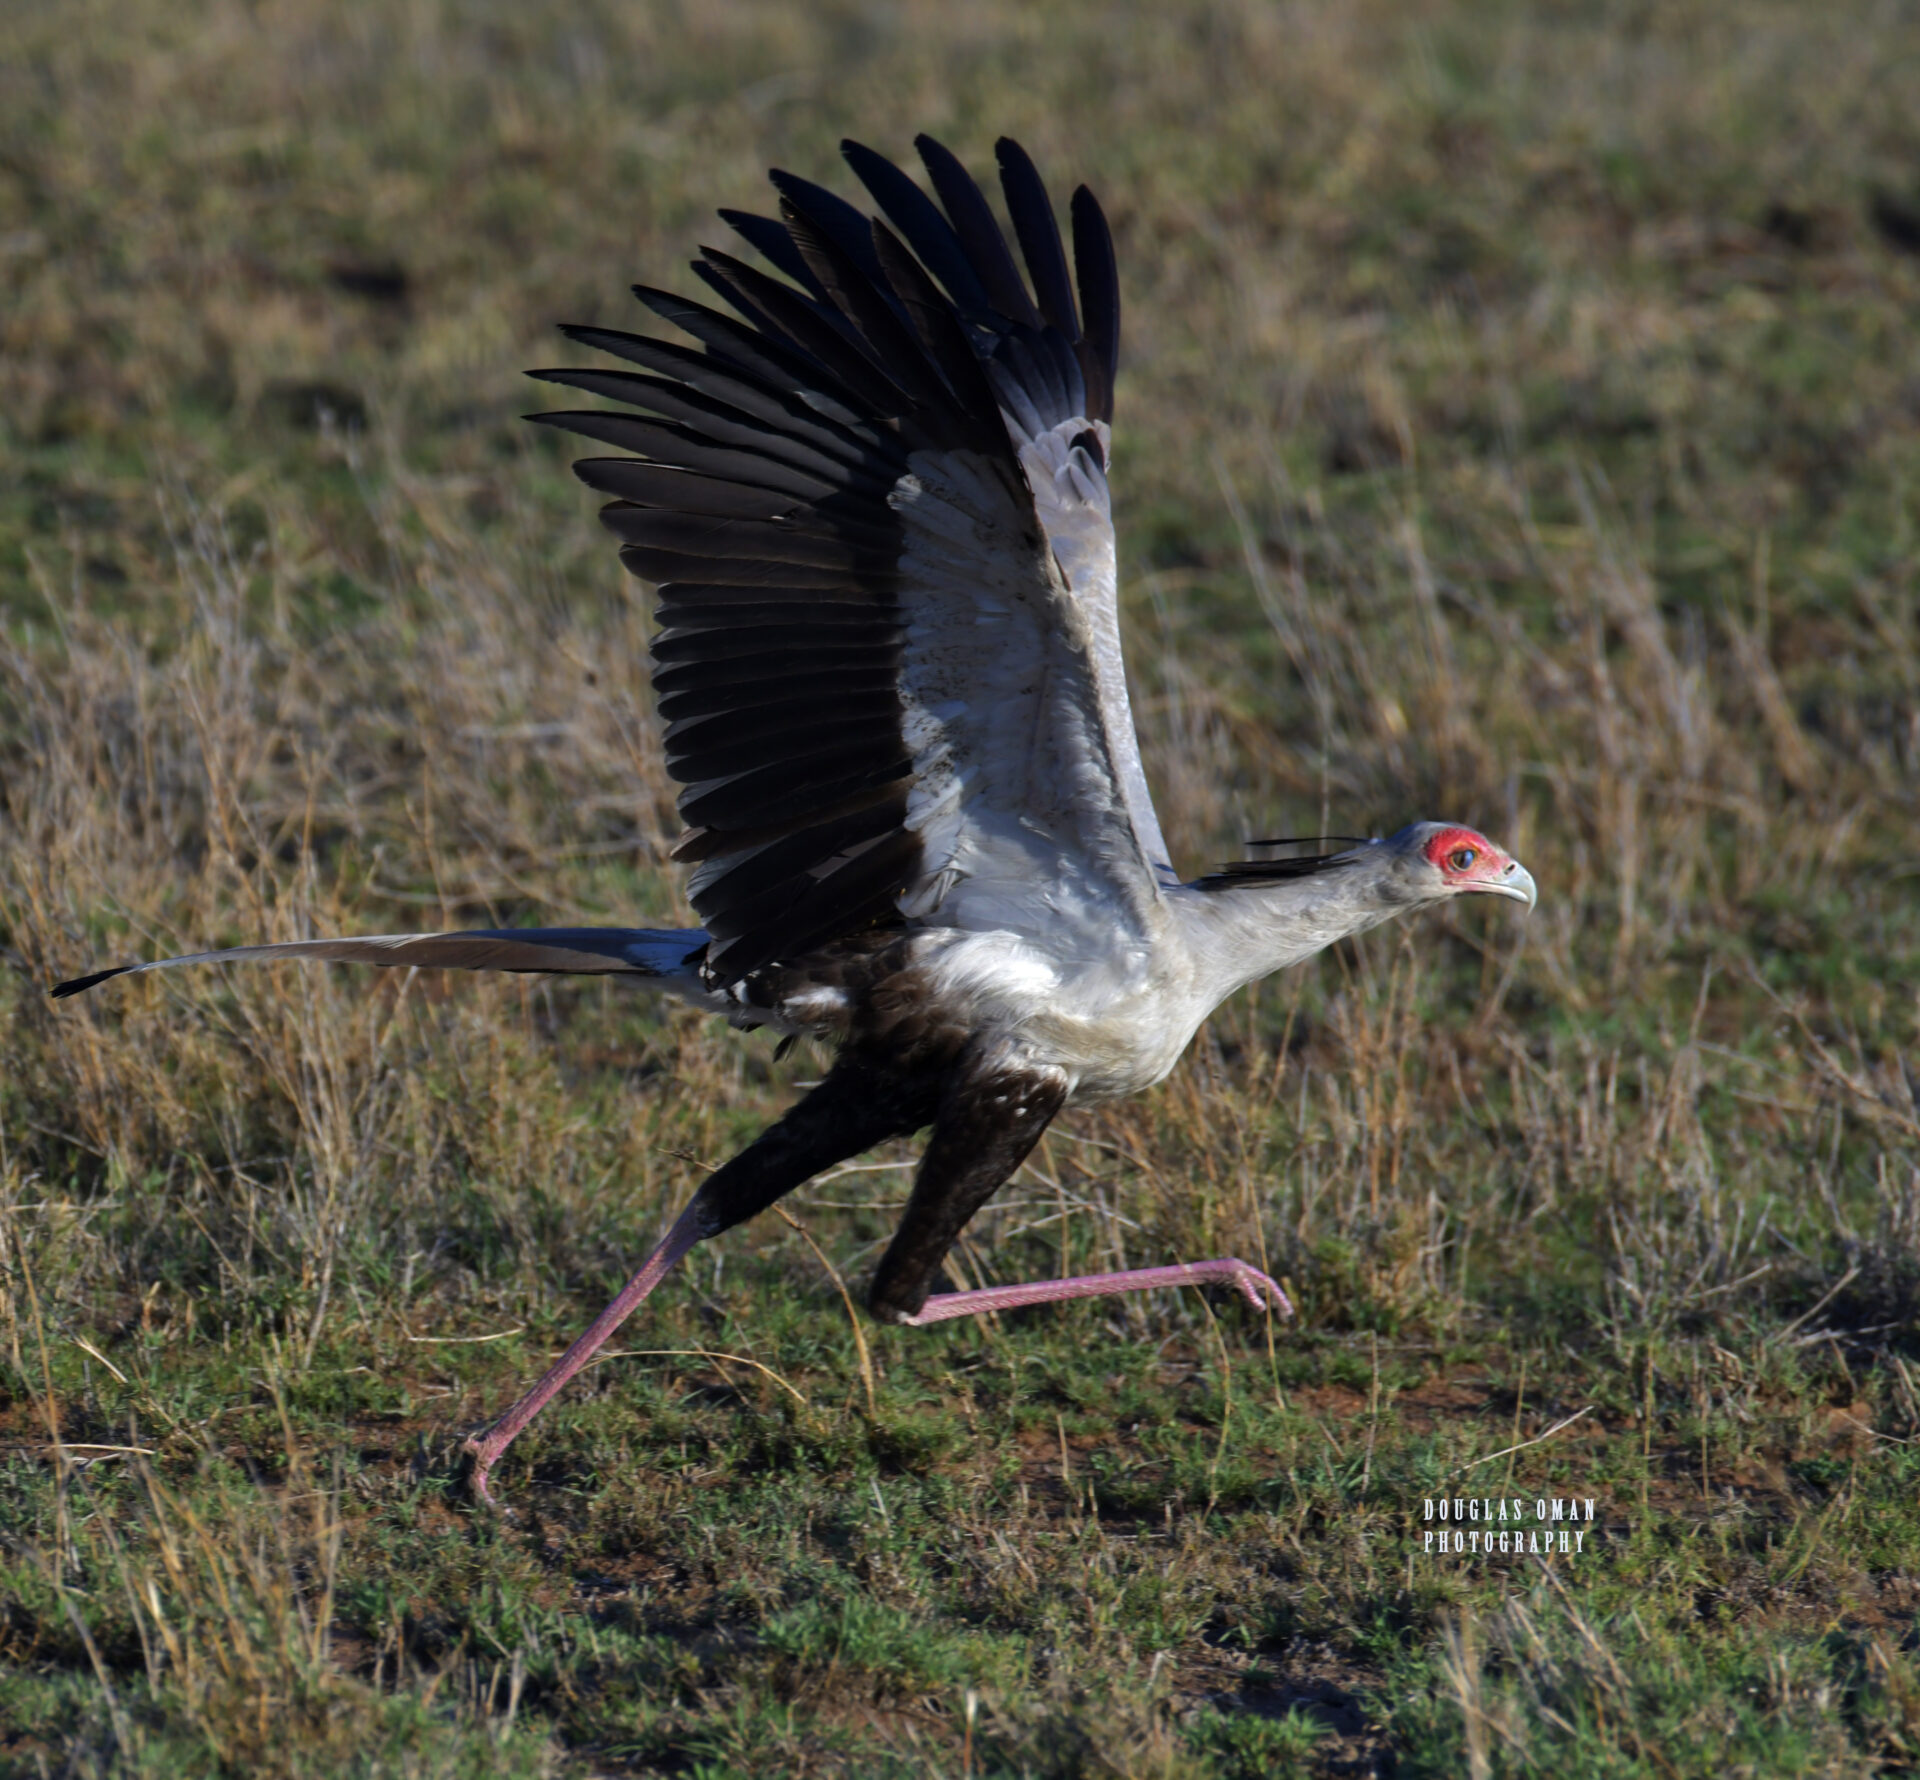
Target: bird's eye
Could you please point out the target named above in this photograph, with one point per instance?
(1461, 859)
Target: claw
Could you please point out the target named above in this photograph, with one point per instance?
(1262, 1292)
(477, 1478)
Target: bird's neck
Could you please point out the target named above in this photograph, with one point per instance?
(1235, 937)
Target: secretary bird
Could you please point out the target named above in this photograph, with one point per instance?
(875, 505)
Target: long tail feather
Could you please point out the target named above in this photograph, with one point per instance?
(568, 951)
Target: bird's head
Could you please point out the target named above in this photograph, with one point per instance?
(1431, 861)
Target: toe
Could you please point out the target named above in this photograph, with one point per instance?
(479, 1481)
(1265, 1292)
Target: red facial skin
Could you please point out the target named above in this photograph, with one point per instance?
(1482, 871)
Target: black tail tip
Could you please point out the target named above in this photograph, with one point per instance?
(80, 985)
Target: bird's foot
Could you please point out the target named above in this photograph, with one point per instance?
(494, 1439)
(485, 1448)
(1261, 1291)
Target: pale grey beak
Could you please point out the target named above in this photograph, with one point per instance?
(1516, 881)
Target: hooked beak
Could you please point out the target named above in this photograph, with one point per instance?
(1516, 881)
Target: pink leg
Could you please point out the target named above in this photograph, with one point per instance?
(1261, 1292)
(847, 1113)
(488, 1446)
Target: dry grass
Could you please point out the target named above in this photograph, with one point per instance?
(1520, 423)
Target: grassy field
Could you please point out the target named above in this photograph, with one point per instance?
(1520, 423)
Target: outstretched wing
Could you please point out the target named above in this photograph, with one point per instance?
(876, 507)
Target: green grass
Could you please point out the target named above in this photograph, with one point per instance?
(1518, 424)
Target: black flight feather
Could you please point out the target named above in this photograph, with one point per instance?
(683, 448)
(918, 219)
(755, 348)
(1039, 235)
(1099, 277)
(945, 342)
(979, 234)
(833, 216)
(818, 329)
(769, 239)
(766, 418)
(875, 316)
